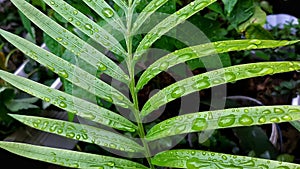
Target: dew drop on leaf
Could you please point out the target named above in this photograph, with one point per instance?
(158, 3)
(274, 119)
(199, 124)
(63, 74)
(230, 76)
(226, 121)
(70, 135)
(178, 91)
(262, 119)
(255, 41)
(101, 67)
(112, 145)
(111, 164)
(195, 163)
(201, 84)
(107, 12)
(180, 129)
(62, 104)
(70, 19)
(278, 111)
(163, 66)
(200, 6)
(46, 99)
(286, 118)
(245, 120)
(75, 12)
(88, 26)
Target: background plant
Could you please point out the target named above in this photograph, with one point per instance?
(85, 77)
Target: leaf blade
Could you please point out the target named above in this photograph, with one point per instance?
(68, 71)
(63, 157)
(190, 159)
(80, 132)
(89, 27)
(108, 13)
(234, 117)
(70, 103)
(171, 21)
(214, 78)
(203, 50)
(71, 42)
(147, 11)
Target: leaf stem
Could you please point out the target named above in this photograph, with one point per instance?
(132, 87)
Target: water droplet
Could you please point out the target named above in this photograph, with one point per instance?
(185, 56)
(59, 39)
(89, 116)
(225, 121)
(230, 76)
(63, 74)
(112, 145)
(278, 111)
(178, 91)
(52, 3)
(262, 119)
(70, 135)
(107, 12)
(245, 120)
(180, 129)
(110, 163)
(266, 112)
(195, 163)
(224, 157)
(200, 5)
(75, 12)
(199, 124)
(261, 70)
(46, 99)
(62, 104)
(163, 66)
(252, 47)
(286, 118)
(192, 3)
(101, 67)
(201, 84)
(78, 24)
(70, 19)
(88, 26)
(274, 119)
(255, 41)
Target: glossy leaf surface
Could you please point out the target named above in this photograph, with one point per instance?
(214, 78)
(194, 52)
(197, 159)
(81, 132)
(227, 118)
(69, 103)
(68, 158)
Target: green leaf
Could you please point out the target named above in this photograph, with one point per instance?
(229, 5)
(195, 159)
(255, 31)
(234, 117)
(108, 13)
(296, 124)
(215, 78)
(68, 71)
(68, 158)
(259, 17)
(86, 25)
(81, 132)
(146, 13)
(26, 23)
(20, 104)
(194, 52)
(169, 23)
(69, 103)
(241, 12)
(71, 42)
